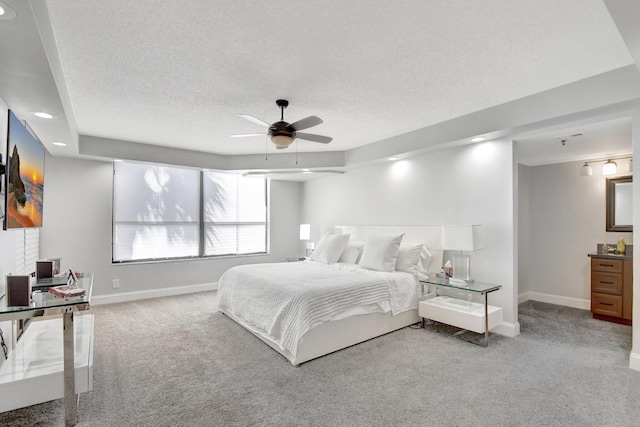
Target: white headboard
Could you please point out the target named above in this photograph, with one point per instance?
(429, 235)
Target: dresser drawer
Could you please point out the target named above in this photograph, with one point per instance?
(606, 283)
(607, 305)
(607, 265)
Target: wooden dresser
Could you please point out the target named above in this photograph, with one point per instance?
(612, 287)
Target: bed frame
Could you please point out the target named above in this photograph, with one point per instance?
(339, 334)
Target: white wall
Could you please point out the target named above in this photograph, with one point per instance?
(566, 221)
(77, 227)
(465, 185)
(523, 228)
(634, 360)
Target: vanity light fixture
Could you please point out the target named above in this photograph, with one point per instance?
(609, 168)
(586, 170)
(477, 139)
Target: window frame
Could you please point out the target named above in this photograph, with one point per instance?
(201, 224)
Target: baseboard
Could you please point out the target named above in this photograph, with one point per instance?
(507, 329)
(583, 304)
(153, 293)
(634, 361)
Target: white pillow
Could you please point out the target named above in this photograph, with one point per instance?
(330, 248)
(409, 259)
(352, 252)
(380, 252)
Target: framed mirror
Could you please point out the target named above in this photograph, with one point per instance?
(620, 204)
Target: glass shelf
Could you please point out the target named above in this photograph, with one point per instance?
(477, 287)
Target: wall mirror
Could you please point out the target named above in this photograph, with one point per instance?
(619, 204)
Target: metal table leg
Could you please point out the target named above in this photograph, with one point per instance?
(486, 320)
(70, 402)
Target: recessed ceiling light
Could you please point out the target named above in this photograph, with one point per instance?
(59, 144)
(6, 12)
(477, 139)
(42, 114)
(393, 158)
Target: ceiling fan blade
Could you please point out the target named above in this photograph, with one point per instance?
(313, 137)
(240, 135)
(306, 123)
(281, 148)
(254, 120)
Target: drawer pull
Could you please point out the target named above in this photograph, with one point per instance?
(606, 303)
(606, 265)
(606, 283)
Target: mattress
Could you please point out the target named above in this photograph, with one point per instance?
(282, 301)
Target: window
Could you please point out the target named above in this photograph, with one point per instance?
(162, 212)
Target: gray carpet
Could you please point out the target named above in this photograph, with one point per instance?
(175, 362)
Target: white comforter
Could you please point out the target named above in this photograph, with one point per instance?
(285, 300)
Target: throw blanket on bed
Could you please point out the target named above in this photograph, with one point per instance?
(285, 300)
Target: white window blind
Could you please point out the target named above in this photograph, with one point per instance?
(235, 214)
(27, 250)
(158, 213)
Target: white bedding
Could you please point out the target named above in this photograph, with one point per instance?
(285, 300)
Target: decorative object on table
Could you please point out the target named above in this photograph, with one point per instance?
(305, 235)
(57, 265)
(448, 270)
(460, 238)
(44, 269)
(621, 246)
(18, 290)
(66, 291)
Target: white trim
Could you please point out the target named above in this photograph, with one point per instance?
(507, 329)
(634, 361)
(581, 303)
(153, 293)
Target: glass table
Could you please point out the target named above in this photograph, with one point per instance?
(475, 287)
(46, 304)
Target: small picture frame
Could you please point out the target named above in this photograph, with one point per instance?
(44, 269)
(18, 290)
(57, 265)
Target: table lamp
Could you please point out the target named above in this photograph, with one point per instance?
(460, 238)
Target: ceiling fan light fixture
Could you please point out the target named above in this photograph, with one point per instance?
(282, 140)
(609, 168)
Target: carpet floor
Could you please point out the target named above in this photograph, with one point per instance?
(175, 361)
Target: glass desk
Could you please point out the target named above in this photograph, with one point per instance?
(476, 287)
(48, 305)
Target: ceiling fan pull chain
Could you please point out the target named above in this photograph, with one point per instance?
(296, 151)
(266, 145)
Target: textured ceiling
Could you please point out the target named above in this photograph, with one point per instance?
(179, 73)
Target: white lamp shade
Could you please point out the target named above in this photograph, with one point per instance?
(586, 170)
(459, 237)
(305, 231)
(609, 168)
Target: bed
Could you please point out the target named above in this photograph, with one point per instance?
(348, 292)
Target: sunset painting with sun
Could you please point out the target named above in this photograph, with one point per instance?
(25, 177)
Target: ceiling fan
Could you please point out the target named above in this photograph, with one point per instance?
(282, 134)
